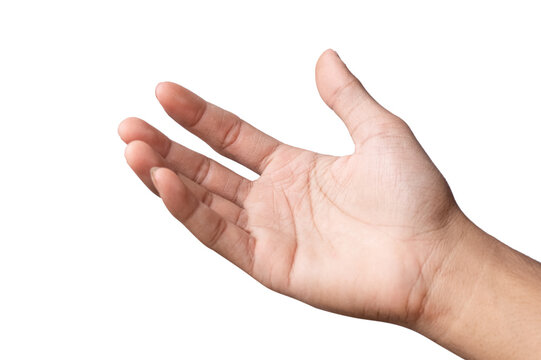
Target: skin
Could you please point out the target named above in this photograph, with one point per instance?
(376, 234)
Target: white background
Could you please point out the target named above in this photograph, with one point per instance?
(91, 264)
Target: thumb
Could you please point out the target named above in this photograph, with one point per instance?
(347, 97)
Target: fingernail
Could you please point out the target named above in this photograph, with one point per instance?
(152, 171)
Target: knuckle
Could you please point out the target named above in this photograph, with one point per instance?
(202, 171)
(232, 134)
(217, 233)
(207, 198)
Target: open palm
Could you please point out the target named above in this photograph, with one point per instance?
(352, 234)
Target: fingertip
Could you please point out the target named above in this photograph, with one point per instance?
(330, 52)
(179, 103)
(129, 151)
(141, 157)
(163, 88)
(175, 195)
(327, 55)
(123, 128)
(161, 175)
(332, 75)
(134, 147)
(158, 89)
(166, 93)
(120, 130)
(128, 128)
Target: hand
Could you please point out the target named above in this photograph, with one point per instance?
(359, 235)
(375, 234)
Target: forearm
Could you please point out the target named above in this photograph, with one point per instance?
(485, 299)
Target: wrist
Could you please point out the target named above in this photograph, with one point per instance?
(455, 272)
(483, 299)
